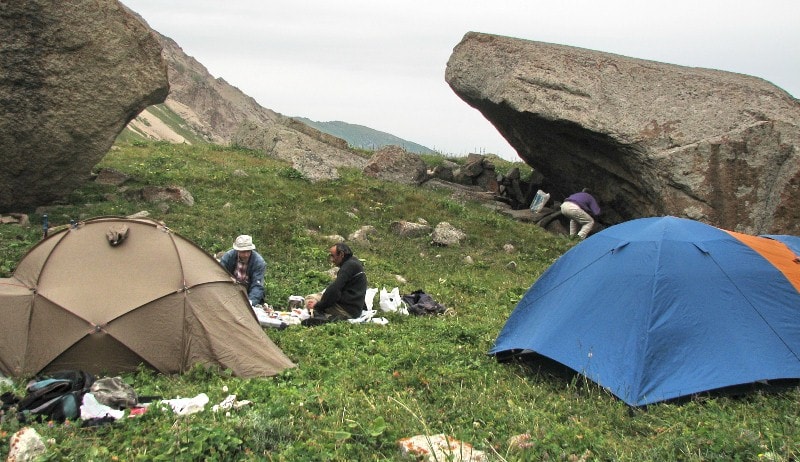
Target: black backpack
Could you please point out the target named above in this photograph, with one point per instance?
(57, 396)
(420, 303)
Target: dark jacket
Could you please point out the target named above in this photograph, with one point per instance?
(256, 268)
(348, 290)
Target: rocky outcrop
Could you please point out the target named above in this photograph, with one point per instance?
(316, 160)
(393, 163)
(477, 170)
(211, 106)
(223, 114)
(647, 138)
(72, 75)
(409, 229)
(445, 234)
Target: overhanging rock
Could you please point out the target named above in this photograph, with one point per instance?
(72, 74)
(647, 138)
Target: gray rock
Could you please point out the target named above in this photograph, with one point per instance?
(393, 163)
(487, 180)
(20, 219)
(334, 238)
(160, 194)
(25, 446)
(409, 229)
(524, 215)
(110, 176)
(315, 159)
(439, 447)
(362, 234)
(446, 234)
(443, 173)
(72, 75)
(473, 167)
(647, 138)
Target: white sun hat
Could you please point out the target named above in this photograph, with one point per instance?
(244, 242)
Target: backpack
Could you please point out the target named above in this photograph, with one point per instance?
(114, 393)
(419, 303)
(56, 397)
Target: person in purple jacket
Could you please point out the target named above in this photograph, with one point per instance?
(581, 209)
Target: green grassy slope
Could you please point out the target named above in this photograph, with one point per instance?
(170, 119)
(358, 389)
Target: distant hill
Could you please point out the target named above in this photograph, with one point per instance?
(359, 136)
(203, 109)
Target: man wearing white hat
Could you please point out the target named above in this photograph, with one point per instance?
(247, 267)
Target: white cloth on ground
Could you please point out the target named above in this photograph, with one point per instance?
(368, 316)
(92, 409)
(186, 406)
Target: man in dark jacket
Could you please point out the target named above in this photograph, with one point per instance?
(344, 297)
(247, 267)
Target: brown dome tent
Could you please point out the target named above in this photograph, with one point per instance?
(110, 293)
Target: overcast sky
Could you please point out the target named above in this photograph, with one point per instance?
(381, 64)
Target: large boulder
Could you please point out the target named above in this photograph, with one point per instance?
(72, 74)
(393, 163)
(315, 159)
(647, 138)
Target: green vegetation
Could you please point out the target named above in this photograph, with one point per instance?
(358, 389)
(166, 116)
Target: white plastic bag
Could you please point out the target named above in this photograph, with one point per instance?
(92, 409)
(369, 297)
(186, 406)
(539, 201)
(391, 301)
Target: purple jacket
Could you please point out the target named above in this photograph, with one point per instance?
(586, 202)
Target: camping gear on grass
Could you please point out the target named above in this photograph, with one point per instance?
(80, 301)
(56, 396)
(390, 301)
(114, 392)
(659, 308)
(420, 303)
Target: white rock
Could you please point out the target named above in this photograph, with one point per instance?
(25, 445)
(438, 448)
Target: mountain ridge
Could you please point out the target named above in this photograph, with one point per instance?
(363, 137)
(201, 108)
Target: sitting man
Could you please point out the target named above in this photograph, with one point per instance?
(247, 267)
(344, 297)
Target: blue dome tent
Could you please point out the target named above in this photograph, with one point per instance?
(659, 308)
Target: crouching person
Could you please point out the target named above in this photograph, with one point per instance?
(344, 297)
(247, 267)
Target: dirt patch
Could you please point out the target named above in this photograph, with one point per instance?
(150, 126)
